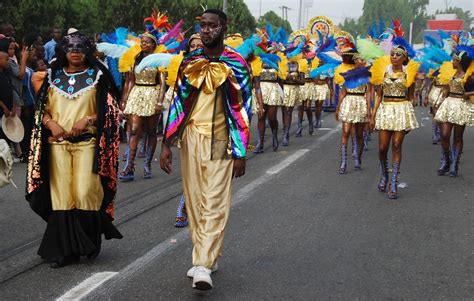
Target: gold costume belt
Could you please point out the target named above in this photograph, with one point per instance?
(357, 94)
(394, 99)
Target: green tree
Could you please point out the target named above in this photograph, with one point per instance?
(404, 10)
(460, 14)
(272, 18)
(93, 16)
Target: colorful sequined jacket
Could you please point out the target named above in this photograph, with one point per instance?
(229, 72)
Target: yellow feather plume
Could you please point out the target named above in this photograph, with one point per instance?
(303, 66)
(469, 72)
(257, 66)
(446, 72)
(315, 63)
(127, 61)
(282, 66)
(338, 79)
(296, 58)
(412, 68)
(234, 40)
(173, 68)
(378, 70)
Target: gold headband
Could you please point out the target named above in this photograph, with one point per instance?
(149, 35)
(400, 51)
(459, 56)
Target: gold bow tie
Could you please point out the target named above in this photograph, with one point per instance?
(211, 74)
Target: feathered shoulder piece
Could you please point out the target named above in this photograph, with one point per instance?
(256, 65)
(155, 60)
(356, 77)
(173, 68)
(369, 50)
(342, 68)
(282, 66)
(314, 63)
(249, 46)
(446, 72)
(127, 61)
(411, 69)
(469, 73)
(303, 66)
(378, 69)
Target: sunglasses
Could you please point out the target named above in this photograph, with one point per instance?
(396, 54)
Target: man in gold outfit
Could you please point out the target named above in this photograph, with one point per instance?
(209, 117)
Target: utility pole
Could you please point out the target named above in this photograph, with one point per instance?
(300, 11)
(260, 10)
(224, 6)
(284, 12)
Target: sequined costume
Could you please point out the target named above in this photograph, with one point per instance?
(434, 97)
(354, 106)
(321, 90)
(454, 109)
(292, 86)
(72, 184)
(271, 90)
(309, 91)
(395, 112)
(144, 94)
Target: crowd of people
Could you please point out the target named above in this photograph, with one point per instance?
(201, 89)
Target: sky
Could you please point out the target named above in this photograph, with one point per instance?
(337, 10)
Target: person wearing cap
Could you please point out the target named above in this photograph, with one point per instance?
(142, 103)
(209, 118)
(72, 168)
(393, 114)
(453, 115)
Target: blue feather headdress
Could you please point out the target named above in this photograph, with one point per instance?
(249, 46)
(270, 60)
(468, 49)
(400, 41)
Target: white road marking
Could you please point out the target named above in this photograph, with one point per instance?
(85, 288)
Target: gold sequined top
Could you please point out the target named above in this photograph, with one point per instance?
(269, 75)
(394, 85)
(437, 82)
(359, 90)
(292, 78)
(456, 86)
(146, 77)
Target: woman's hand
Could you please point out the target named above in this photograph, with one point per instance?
(79, 127)
(159, 108)
(336, 115)
(123, 104)
(261, 112)
(6, 111)
(57, 131)
(372, 123)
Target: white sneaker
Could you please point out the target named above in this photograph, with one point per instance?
(190, 272)
(202, 278)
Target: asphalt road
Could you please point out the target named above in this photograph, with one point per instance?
(298, 231)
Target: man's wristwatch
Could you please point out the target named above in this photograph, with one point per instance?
(90, 121)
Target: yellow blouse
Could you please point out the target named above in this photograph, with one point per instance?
(66, 112)
(207, 106)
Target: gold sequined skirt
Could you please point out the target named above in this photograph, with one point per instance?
(321, 92)
(254, 103)
(396, 116)
(453, 110)
(168, 98)
(434, 98)
(308, 91)
(292, 95)
(353, 109)
(470, 120)
(142, 100)
(271, 93)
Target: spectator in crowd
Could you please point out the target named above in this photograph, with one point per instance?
(7, 30)
(6, 90)
(39, 75)
(56, 36)
(28, 110)
(16, 73)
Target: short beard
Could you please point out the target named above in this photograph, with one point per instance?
(216, 41)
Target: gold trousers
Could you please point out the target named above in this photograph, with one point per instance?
(207, 191)
(72, 182)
